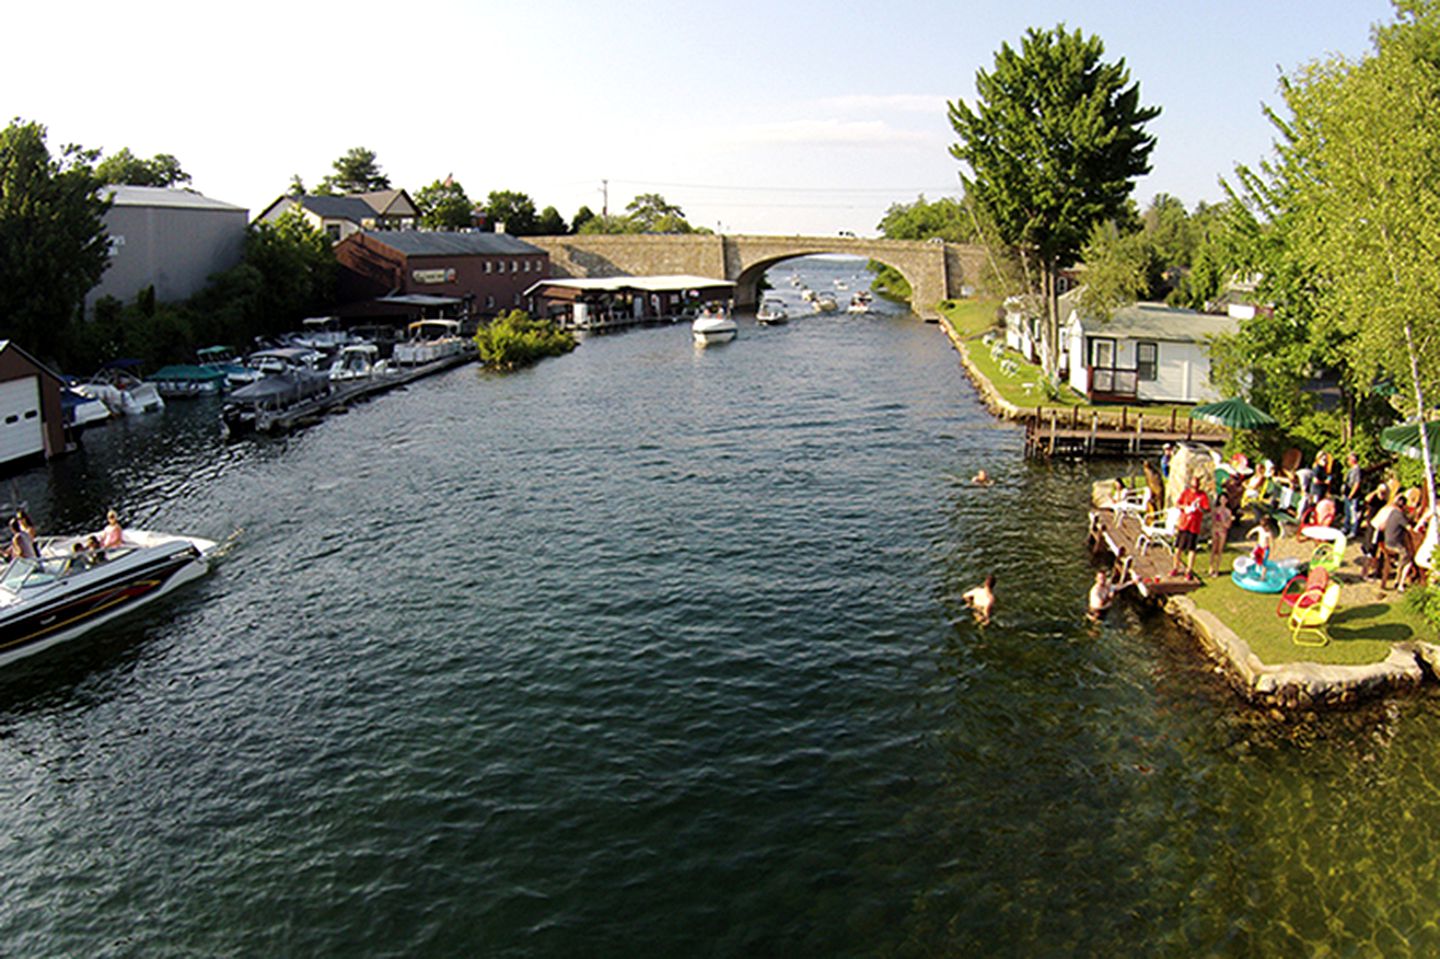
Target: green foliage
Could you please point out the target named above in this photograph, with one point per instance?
(551, 223)
(652, 213)
(1053, 147)
(296, 264)
(1120, 268)
(602, 224)
(53, 245)
(355, 172)
(515, 210)
(444, 205)
(1424, 601)
(582, 216)
(889, 281)
(514, 339)
(124, 167)
(946, 219)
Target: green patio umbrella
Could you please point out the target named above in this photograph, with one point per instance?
(1233, 413)
(1405, 438)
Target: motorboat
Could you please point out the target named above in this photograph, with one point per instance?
(80, 411)
(65, 592)
(858, 304)
(119, 386)
(289, 381)
(825, 303)
(772, 312)
(713, 326)
(841, 285)
(358, 362)
(187, 380)
(808, 295)
(429, 340)
(321, 333)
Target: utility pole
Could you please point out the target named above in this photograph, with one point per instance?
(605, 198)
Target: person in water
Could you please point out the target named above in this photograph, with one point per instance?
(981, 478)
(1105, 589)
(982, 600)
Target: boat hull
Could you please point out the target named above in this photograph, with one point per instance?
(72, 605)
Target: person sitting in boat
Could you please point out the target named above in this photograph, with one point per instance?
(22, 544)
(28, 525)
(113, 535)
(94, 552)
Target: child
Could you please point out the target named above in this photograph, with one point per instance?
(1264, 534)
(1220, 522)
(982, 600)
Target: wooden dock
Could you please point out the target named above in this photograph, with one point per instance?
(1117, 535)
(1072, 434)
(342, 396)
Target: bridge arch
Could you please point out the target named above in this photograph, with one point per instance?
(936, 271)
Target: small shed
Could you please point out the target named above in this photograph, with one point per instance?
(1145, 352)
(32, 421)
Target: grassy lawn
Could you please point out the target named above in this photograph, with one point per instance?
(973, 318)
(1360, 632)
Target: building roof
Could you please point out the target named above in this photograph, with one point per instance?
(648, 284)
(428, 243)
(15, 348)
(350, 208)
(123, 195)
(384, 201)
(1152, 321)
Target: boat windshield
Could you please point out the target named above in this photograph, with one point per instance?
(24, 572)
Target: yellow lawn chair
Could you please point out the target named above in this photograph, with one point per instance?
(1310, 620)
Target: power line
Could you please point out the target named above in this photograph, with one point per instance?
(789, 189)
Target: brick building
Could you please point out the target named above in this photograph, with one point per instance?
(488, 272)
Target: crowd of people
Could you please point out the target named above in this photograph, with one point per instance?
(25, 540)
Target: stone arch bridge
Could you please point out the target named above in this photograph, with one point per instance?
(935, 270)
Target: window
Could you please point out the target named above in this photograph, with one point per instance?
(489, 302)
(488, 265)
(1147, 359)
(517, 299)
(1102, 353)
(514, 266)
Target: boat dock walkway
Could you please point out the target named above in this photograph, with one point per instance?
(1119, 534)
(1055, 433)
(343, 395)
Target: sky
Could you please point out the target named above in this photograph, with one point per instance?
(752, 116)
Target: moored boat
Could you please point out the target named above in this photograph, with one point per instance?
(119, 386)
(428, 341)
(64, 593)
(187, 380)
(290, 381)
(357, 362)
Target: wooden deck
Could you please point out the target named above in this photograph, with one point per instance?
(1071, 434)
(1117, 536)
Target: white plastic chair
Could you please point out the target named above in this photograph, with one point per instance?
(1164, 534)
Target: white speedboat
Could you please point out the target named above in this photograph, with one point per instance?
(80, 410)
(858, 304)
(428, 341)
(771, 313)
(713, 327)
(825, 303)
(46, 601)
(119, 386)
(357, 362)
(808, 295)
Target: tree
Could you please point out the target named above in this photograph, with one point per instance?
(126, 168)
(551, 223)
(515, 210)
(652, 213)
(582, 216)
(53, 245)
(296, 265)
(946, 218)
(1053, 147)
(355, 172)
(445, 206)
(296, 187)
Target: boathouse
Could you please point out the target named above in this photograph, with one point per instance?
(588, 303)
(32, 420)
(488, 272)
(1144, 352)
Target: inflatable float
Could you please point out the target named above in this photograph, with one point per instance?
(1269, 577)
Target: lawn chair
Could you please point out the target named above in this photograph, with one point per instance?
(1303, 588)
(1312, 619)
(1131, 502)
(1329, 554)
(1164, 533)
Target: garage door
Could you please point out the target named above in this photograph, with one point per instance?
(22, 431)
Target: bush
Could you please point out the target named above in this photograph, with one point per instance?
(515, 339)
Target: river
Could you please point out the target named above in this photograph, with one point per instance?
(658, 650)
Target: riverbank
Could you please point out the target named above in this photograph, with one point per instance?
(1379, 647)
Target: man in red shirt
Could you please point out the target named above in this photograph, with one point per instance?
(1193, 504)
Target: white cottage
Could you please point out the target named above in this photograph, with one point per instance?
(1146, 352)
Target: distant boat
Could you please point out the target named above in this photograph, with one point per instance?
(428, 341)
(713, 326)
(858, 304)
(825, 303)
(187, 380)
(771, 313)
(808, 295)
(118, 385)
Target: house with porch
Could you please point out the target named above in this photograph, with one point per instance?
(339, 216)
(1144, 352)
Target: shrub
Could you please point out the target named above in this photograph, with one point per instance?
(515, 339)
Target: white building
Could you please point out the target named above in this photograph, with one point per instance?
(1144, 352)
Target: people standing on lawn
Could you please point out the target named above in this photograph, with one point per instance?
(1351, 494)
(1220, 522)
(1194, 504)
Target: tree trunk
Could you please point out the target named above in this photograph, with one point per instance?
(1420, 407)
(1051, 325)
